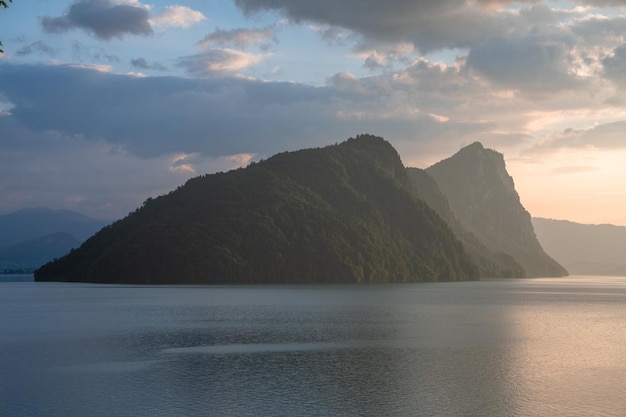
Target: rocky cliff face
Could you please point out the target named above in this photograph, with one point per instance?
(482, 196)
(490, 264)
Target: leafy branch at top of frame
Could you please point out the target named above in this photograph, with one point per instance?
(4, 5)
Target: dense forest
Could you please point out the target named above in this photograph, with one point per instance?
(346, 213)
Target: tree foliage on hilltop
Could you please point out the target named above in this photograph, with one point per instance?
(4, 5)
(341, 214)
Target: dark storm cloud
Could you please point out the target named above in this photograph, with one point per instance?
(103, 18)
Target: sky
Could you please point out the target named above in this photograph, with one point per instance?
(104, 103)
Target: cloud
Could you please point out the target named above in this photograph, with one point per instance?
(154, 116)
(526, 63)
(36, 47)
(615, 66)
(212, 117)
(142, 64)
(240, 38)
(94, 67)
(176, 16)
(384, 56)
(108, 19)
(426, 105)
(605, 137)
(345, 81)
(428, 25)
(105, 19)
(217, 62)
(333, 35)
(91, 176)
(603, 3)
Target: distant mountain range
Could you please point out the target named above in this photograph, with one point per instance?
(33, 236)
(349, 213)
(584, 249)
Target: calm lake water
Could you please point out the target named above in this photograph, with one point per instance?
(534, 347)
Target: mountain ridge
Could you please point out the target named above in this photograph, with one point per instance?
(33, 223)
(490, 264)
(482, 196)
(31, 254)
(584, 249)
(346, 213)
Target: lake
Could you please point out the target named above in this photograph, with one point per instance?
(531, 347)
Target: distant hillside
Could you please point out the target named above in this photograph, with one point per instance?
(482, 197)
(33, 253)
(584, 249)
(341, 214)
(34, 223)
(490, 264)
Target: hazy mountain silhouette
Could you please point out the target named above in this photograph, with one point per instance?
(482, 196)
(584, 249)
(489, 263)
(31, 254)
(341, 214)
(33, 223)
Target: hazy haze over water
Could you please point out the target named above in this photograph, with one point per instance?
(492, 348)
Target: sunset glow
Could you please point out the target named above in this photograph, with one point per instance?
(93, 93)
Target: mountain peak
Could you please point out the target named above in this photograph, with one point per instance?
(474, 147)
(338, 214)
(482, 195)
(33, 223)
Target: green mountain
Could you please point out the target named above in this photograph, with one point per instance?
(584, 249)
(482, 196)
(341, 214)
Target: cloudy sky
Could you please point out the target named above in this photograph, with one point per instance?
(106, 102)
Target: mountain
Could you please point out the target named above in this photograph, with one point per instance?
(584, 249)
(341, 214)
(482, 196)
(33, 253)
(490, 264)
(33, 223)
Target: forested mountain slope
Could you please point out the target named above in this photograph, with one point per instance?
(341, 214)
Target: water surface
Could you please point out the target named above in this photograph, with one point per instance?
(546, 347)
